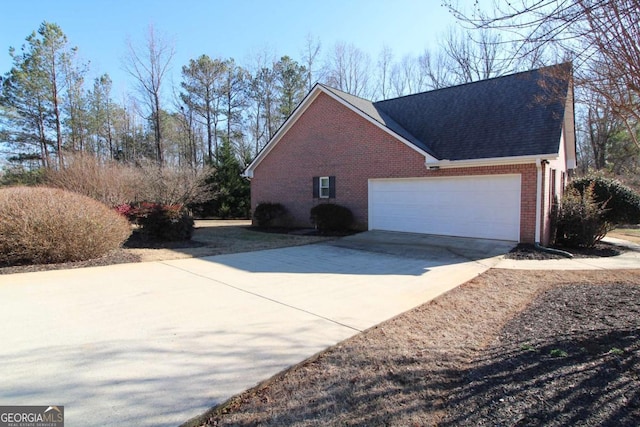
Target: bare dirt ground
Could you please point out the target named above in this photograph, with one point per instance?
(509, 348)
(210, 237)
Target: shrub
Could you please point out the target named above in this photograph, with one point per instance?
(115, 183)
(127, 211)
(164, 223)
(172, 185)
(623, 203)
(267, 214)
(44, 225)
(109, 182)
(331, 217)
(581, 219)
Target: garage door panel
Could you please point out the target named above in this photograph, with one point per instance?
(479, 206)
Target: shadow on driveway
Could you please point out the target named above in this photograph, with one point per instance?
(369, 253)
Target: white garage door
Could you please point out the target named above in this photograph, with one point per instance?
(476, 206)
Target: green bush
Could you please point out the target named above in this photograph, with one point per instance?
(40, 225)
(162, 223)
(267, 214)
(622, 202)
(581, 219)
(331, 217)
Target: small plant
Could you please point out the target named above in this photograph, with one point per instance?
(331, 217)
(616, 351)
(267, 214)
(41, 225)
(556, 352)
(527, 347)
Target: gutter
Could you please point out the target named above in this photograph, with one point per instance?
(540, 167)
(493, 161)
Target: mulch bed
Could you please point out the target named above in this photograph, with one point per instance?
(572, 358)
(529, 252)
(509, 348)
(138, 241)
(118, 256)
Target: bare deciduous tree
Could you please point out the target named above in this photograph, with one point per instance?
(348, 69)
(385, 63)
(472, 59)
(600, 36)
(433, 67)
(149, 65)
(310, 54)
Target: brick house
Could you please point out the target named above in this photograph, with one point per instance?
(483, 159)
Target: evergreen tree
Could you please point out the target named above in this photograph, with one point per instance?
(291, 82)
(231, 191)
(34, 90)
(202, 81)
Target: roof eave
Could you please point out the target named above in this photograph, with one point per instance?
(494, 161)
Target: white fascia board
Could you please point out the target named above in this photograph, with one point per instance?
(248, 172)
(495, 161)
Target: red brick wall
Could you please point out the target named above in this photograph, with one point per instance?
(331, 140)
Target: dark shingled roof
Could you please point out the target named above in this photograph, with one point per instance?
(515, 115)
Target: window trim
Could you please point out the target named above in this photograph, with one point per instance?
(324, 180)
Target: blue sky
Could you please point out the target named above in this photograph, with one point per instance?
(224, 28)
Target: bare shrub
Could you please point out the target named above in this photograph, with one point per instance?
(115, 183)
(172, 185)
(40, 225)
(109, 182)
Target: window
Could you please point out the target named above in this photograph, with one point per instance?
(324, 187)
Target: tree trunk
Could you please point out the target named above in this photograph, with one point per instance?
(158, 134)
(56, 113)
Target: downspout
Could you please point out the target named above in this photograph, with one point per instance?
(540, 166)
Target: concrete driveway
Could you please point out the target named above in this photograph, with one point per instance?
(155, 344)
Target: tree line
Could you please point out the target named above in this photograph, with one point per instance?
(602, 38)
(225, 111)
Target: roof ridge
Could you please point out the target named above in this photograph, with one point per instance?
(343, 92)
(535, 70)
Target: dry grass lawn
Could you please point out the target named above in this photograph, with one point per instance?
(217, 237)
(210, 237)
(482, 354)
(630, 234)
